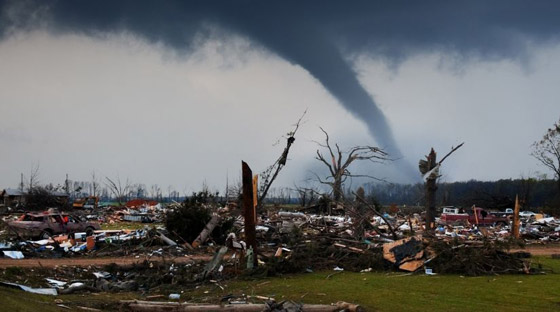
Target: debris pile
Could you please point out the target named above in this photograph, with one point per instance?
(213, 248)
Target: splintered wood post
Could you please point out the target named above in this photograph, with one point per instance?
(431, 189)
(515, 226)
(429, 168)
(255, 192)
(249, 209)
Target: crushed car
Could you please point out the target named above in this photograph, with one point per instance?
(47, 224)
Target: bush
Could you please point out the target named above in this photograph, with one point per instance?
(187, 221)
(39, 198)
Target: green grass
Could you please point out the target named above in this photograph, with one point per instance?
(398, 292)
(374, 291)
(14, 300)
(128, 225)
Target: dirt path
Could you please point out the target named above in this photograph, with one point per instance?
(542, 250)
(91, 261)
(535, 250)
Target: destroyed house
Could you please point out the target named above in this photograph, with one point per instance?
(12, 197)
(15, 197)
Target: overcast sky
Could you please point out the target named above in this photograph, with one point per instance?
(178, 94)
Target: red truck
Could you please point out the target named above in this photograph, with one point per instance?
(476, 215)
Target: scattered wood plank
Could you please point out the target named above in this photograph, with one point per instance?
(140, 306)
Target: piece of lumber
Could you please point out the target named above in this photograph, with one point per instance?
(140, 306)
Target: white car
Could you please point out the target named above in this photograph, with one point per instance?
(526, 214)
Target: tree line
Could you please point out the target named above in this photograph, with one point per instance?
(533, 193)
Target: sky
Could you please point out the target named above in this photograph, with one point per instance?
(178, 93)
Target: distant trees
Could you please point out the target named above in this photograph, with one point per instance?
(547, 151)
(306, 195)
(535, 193)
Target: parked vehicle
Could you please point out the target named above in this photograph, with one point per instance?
(44, 225)
(507, 213)
(526, 214)
(450, 209)
(90, 202)
(474, 216)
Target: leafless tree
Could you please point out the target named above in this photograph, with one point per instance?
(155, 192)
(234, 190)
(338, 163)
(94, 184)
(119, 189)
(547, 151)
(270, 174)
(33, 180)
(307, 195)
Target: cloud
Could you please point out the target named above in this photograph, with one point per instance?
(325, 38)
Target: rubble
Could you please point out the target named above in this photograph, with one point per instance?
(288, 242)
(39, 291)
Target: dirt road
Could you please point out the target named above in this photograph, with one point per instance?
(83, 262)
(542, 250)
(535, 250)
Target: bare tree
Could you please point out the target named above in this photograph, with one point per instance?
(33, 180)
(169, 190)
(270, 174)
(338, 163)
(234, 191)
(307, 195)
(155, 192)
(118, 189)
(94, 184)
(547, 151)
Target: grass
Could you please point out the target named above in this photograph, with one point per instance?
(16, 300)
(128, 225)
(374, 291)
(399, 292)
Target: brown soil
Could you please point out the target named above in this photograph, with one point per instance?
(542, 250)
(91, 261)
(535, 250)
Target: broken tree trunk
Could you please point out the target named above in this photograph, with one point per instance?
(135, 305)
(203, 236)
(430, 169)
(431, 189)
(249, 210)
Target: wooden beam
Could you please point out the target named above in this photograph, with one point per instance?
(249, 209)
(136, 305)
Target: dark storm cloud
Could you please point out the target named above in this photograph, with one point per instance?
(316, 35)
